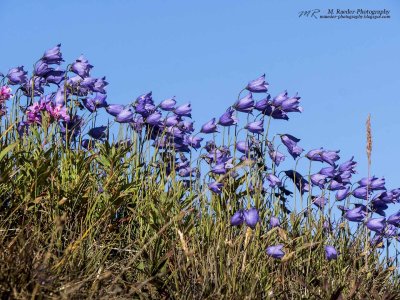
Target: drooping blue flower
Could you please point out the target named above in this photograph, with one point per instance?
(328, 172)
(386, 196)
(278, 100)
(318, 180)
(227, 118)
(348, 166)
(81, 67)
(251, 217)
(390, 231)
(342, 194)
(300, 182)
(276, 113)
(210, 146)
(99, 100)
(344, 177)
(93, 103)
(172, 121)
(180, 145)
(87, 82)
(176, 132)
(378, 206)
(41, 68)
(60, 97)
(125, 116)
(315, 155)
(396, 194)
(255, 127)
(34, 86)
(330, 252)
(237, 218)
(114, 109)
(183, 110)
(187, 171)
(216, 187)
(322, 155)
(273, 180)
(274, 222)
(146, 98)
(154, 118)
(98, 132)
(376, 224)
(330, 157)
(55, 76)
(144, 109)
(276, 157)
(291, 144)
(89, 104)
(168, 104)
(85, 143)
(245, 104)
(275, 251)
(366, 181)
(373, 183)
(17, 75)
(209, 127)
(186, 126)
(258, 85)
(194, 141)
(361, 193)
(224, 163)
(291, 105)
(335, 185)
(53, 55)
(263, 104)
(356, 214)
(99, 85)
(394, 219)
(320, 202)
(243, 146)
(72, 126)
(218, 155)
(74, 85)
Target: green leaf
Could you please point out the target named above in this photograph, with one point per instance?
(7, 149)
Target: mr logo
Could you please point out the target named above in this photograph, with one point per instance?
(312, 13)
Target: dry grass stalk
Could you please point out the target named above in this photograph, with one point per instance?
(369, 141)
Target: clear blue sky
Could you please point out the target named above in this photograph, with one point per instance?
(204, 52)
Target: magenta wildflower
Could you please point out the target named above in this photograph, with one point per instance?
(5, 93)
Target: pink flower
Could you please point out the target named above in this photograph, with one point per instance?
(58, 112)
(5, 93)
(33, 112)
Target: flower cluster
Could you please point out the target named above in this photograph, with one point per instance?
(5, 94)
(62, 97)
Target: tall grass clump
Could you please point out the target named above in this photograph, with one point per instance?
(143, 206)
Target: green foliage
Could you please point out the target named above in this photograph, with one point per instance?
(102, 223)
